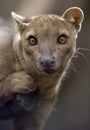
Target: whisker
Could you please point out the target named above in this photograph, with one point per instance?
(77, 53)
(74, 69)
(83, 56)
(82, 49)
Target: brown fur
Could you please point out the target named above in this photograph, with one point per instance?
(20, 68)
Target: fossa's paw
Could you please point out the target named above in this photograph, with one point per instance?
(21, 104)
(25, 102)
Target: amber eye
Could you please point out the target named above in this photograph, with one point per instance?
(62, 39)
(32, 40)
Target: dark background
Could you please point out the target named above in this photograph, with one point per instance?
(72, 110)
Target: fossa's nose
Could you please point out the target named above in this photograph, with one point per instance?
(47, 61)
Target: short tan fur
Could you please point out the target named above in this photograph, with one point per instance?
(37, 56)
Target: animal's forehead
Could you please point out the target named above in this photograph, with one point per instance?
(47, 19)
(47, 24)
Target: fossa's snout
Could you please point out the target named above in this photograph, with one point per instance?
(47, 62)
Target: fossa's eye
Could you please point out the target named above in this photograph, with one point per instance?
(62, 39)
(32, 40)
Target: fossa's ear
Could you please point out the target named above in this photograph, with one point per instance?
(75, 16)
(21, 22)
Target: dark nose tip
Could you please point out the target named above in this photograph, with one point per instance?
(47, 61)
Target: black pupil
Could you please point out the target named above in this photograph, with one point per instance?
(32, 40)
(62, 39)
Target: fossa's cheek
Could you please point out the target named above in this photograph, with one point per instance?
(63, 54)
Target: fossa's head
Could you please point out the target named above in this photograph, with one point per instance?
(48, 41)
